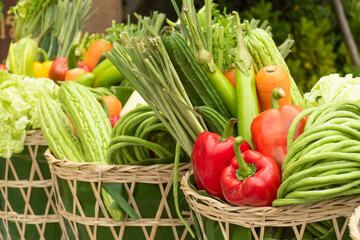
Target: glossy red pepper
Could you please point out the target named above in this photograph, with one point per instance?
(62, 65)
(83, 66)
(251, 178)
(59, 69)
(211, 154)
(269, 129)
(3, 67)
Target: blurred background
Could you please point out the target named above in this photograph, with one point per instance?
(320, 46)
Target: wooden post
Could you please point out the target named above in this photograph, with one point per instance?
(346, 32)
(6, 30)
(106, 12)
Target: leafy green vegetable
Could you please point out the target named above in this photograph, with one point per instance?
(155, 21)
(19, 98)
(333, 88)
(54, 24)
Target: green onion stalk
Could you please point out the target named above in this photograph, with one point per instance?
(147, 66)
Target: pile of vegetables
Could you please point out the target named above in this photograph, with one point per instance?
(218, 93)
(178, 72)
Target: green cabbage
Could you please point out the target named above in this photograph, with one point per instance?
(333, 88)
(19, 98)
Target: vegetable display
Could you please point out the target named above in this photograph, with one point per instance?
(211, 89)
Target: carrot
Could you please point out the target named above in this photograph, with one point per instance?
(268, 78)
(113, 105)
(231, 76)
(95, 50)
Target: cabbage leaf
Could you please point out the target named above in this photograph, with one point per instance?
(333, 88)
(19, 99)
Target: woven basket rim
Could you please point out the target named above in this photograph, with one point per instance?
(34, 137)
(249, 216)
(161, 175)
(109, 173)
(354, 224)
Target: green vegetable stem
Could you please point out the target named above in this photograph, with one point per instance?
(246, 97)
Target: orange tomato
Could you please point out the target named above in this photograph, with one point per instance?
(74, 73)
(231, 76)
(113, 104)
(268, 78)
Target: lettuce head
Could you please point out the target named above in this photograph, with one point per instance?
(333, 88)
(19, 100)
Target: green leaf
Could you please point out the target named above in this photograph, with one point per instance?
(111, 188)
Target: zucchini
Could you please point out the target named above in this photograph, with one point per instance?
(89, 119)
(58, 132)
(196, 83)
(262, 48)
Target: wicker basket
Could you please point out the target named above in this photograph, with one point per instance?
(295, 216)
(354, 224)
(28, 209)
(84, 215)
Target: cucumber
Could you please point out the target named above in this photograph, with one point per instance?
(196, 83)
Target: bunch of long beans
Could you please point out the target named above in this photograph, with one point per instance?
(135, 137)
(323, 162)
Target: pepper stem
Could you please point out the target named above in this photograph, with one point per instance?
(44, 54)
(245, 170)
(276, 94)
(72, 58)
(228, 129)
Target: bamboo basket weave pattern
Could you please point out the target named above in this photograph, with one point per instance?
(88, 218)
(294, 216)
(354, 224)
(28, 209)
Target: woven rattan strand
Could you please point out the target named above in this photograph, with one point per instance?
(261, 217)
(160, 175)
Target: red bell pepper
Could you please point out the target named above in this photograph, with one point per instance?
(251, 178)
(3, 67)
(62, 65)
(211, 154)
(269, 129)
